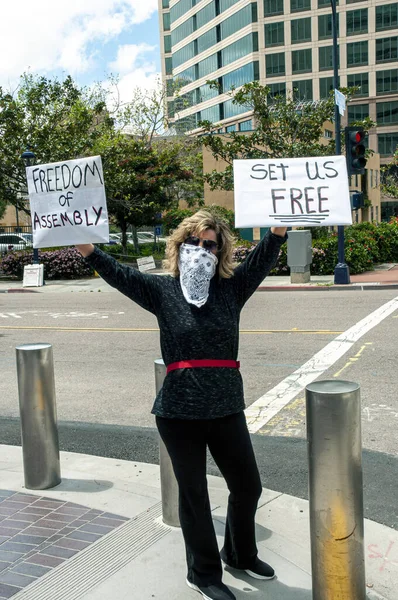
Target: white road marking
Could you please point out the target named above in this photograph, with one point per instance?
(266, 407)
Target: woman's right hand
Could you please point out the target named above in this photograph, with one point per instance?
(85, 249)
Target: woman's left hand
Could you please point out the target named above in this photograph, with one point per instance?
(279, 230)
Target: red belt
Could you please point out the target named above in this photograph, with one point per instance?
(195, 364)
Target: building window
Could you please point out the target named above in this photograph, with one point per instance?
(205, 92)
(182, 32)
(246, 125)
(325, 26)
(167, 43)
(274, 34)
(185, 77)
(360, 80)
(168, 61)
(273, 7)
(357, 21)
(323, 3)
(211, 114)
(387, 49)
(275, 64)
(302, 90)
(165, 3)
(328, 134)
(299, 5)
(326, 85)
(301, 30)
(276, 90)
(237, 21)
(166, 21)
(358, 112)
(387, 113)
(240, 48)
(207, 40)
(230, 128)
(207, 14)
(240, 76)
(357, 54)
(186, 53)
(326, 58)
(387, 82)
(387, 17)
(208, 65)
(387, 143)
(233, 110)
(170, 87)
(302, 61)
(180, 9)
(225, 4)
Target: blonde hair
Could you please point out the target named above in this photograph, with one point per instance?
(195, 225)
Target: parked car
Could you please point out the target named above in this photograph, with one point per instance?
(114, 239)
(13, 241)
(28, 237)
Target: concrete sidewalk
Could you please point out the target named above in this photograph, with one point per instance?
(384, 276)
(99, 535)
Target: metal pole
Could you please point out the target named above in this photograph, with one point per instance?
(168, 481)
(39, 431)
(335, 489)
(341, 271)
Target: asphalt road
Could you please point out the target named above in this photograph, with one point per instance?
(104, 348)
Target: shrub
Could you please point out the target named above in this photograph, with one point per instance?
(58, 264)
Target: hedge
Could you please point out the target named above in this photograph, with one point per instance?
(366, 244)
(66, 263)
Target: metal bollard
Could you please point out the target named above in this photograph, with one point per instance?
(336, 491)
(39, 433)
(168, 481)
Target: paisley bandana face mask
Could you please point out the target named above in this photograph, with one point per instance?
(197, 267)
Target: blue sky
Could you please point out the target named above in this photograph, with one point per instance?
(87, 39)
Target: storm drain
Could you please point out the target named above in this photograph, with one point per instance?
(100, 561)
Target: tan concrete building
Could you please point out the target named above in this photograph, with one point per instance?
(286, 44)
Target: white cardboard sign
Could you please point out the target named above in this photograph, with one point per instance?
(292, 192)
(68, 203)
(33, 276)
(146, 264)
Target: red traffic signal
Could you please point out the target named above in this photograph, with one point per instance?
(355, 150)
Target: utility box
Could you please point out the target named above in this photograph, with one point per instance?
(299, 255)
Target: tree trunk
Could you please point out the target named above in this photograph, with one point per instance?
(135, 239)
(123, 228)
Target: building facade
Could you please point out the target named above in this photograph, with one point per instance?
(286, 44)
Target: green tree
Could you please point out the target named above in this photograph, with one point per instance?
(284, 128)
(389, 178)
(58, 119)
(138, 177)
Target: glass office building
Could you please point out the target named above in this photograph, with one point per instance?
(286, 44)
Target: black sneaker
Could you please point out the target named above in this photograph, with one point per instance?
(259, 569)
(215, 591)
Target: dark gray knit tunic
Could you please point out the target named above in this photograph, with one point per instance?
(188, 332)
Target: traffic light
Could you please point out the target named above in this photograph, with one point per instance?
(357, 200)
(355, 150)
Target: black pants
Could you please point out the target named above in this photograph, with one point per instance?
(229, 442)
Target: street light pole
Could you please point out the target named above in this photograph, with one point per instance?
(28, 157)
(341, 271)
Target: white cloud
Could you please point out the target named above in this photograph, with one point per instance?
(128, 56)
(135, 68)
(46, 35)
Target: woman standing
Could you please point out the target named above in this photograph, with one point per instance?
(201, 403)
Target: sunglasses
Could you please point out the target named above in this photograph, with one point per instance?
(209, 245)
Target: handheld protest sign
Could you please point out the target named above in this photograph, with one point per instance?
(68, 203)
(292, 192)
